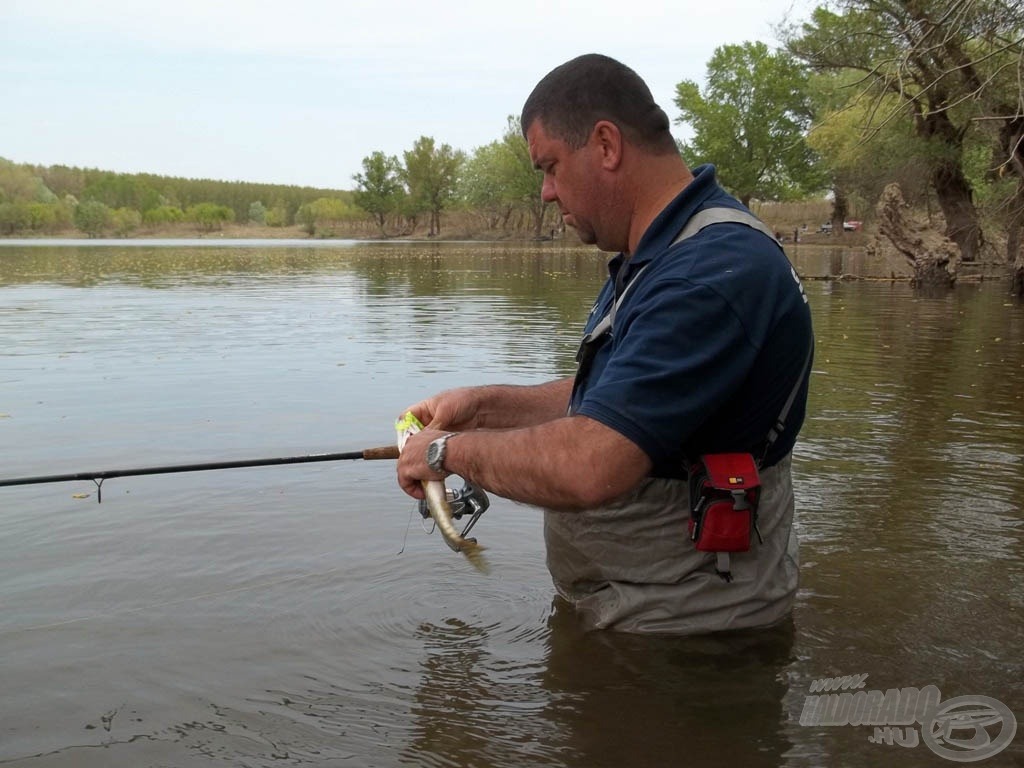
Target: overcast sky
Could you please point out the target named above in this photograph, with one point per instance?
(299, 91)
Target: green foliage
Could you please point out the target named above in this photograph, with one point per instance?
(33, 217)
(63, 180)
(482, 185)
(379, 189)
(322, 215)
(500, 178)
(257, 213)
(163, 215)
(523, 179)
(277, 216)
(14, 218)
(18, 184)
(42, 193)
(93, 218)
(946, 70)
(209, 216)
(119, 190)
(859, 161)
(42, 217)
(125, 221)
(145, 192)
(750, 121)
(431, 175)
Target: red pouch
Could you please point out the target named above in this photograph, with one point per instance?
(724, 491)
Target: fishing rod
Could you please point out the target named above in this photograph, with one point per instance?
(368, 454)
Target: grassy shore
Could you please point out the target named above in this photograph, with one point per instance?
(801, 218)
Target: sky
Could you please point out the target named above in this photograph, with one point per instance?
(299, 92)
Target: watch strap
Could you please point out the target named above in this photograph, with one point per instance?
(440, 453)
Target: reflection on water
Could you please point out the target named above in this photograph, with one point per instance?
(263, 617)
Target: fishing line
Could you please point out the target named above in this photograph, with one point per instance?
(408, 525)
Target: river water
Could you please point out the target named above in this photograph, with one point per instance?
(260, 617)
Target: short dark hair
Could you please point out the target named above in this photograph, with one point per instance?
(572, 97)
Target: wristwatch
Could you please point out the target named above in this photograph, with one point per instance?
(436, 452)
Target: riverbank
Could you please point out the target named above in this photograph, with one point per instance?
(815, 256)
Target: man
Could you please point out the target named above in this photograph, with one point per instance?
(706, 340)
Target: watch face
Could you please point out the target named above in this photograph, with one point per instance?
(435, 455)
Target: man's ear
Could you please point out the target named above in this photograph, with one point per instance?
(608, 140)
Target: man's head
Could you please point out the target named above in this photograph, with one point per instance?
(609, 160)
(573, 97)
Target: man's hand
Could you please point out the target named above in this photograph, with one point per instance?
(453, 410)
(412, 464)
(517, 442)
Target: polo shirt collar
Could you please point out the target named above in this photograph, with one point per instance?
(670, 222)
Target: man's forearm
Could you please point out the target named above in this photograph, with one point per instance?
(507, 406)
(568, 463)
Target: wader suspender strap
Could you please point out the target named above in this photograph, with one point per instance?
(780, 423)
(720, 215)
(716, 216)
(696, 223)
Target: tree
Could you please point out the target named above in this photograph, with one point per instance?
(927, 60)
(163, 215)
(125, 221)
(750, 121)
(322, 215)
(431, 174)
(859, 164)
(523, 179)
(63, 180)
(14, 217)
(480, 185)
(500, 178)
(42, 216)
(379, 187)
(257, 213)
(93, 217)
(209, 216)
(122, 190)
(17, 183)
(277, 215)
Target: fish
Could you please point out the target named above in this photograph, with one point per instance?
(441, 512)
(438, 505)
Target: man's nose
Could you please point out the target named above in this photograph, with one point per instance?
(547, 191)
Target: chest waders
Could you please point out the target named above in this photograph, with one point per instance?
(592, 555)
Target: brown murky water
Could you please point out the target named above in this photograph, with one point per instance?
(263, 617)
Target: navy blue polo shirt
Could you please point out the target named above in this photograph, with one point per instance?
(707, 346)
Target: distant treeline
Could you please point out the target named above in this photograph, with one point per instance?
(44, 199)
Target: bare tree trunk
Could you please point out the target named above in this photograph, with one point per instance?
(953, 190)
(537, 214)
(840, 208)
(955, 198)
(1012, 138)
(934, 258)
(1015, 242)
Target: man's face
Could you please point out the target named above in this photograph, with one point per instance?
(570, 180)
